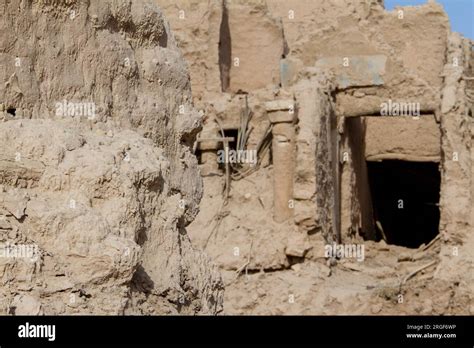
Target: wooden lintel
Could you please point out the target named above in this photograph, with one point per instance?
(225, 139)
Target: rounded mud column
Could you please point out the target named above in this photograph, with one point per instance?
(281, 115)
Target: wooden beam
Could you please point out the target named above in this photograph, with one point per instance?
(225, 139)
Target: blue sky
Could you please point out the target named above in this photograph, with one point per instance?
(460, 12)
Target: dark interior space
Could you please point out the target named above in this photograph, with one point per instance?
(405, 198)
(198, 154)
(234, 133)
(11, 111)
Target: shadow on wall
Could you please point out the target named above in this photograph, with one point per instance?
(225, 51)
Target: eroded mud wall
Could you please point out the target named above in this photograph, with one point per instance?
(97, 172)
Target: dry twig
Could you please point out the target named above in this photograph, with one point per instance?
(410, 275)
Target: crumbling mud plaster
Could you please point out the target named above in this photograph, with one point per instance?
(340, 64)
(104, 192)
(362, 57)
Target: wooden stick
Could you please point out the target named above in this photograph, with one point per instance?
(245, 265)
(227, 171)
(432, 242)
(379, 225)
(223, 139)
(415, 272)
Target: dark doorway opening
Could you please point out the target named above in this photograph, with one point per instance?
(405, 197)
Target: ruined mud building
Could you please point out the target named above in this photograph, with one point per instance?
(321, 73)
(110, 199)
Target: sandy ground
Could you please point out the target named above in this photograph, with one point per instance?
(263, 280)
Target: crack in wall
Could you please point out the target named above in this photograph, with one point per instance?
(225, 49)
